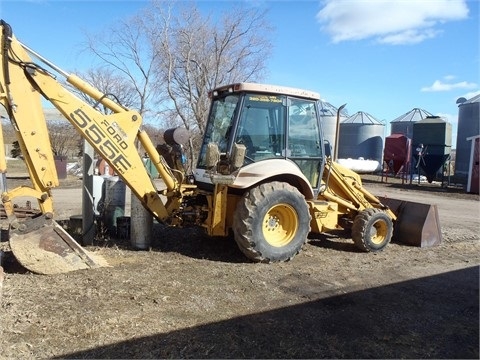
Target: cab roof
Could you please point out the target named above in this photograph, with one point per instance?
(266, 89)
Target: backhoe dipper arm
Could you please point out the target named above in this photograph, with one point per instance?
(31, 133)
(112, 136)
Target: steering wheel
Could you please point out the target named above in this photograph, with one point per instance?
(245, 139)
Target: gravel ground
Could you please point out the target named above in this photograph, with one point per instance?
(191, 296)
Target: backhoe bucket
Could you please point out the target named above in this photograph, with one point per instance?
(417, 224)
(44, 247)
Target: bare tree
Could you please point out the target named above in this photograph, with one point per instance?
(113, 85)
(173, 55)
(117, 88)
(199, 54)
(124, 49)
(154, 132)
(63, 138)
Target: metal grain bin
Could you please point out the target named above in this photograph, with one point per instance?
(404, 123)
(468, 126)
(432, 144)
(328, 117)
(361, 136)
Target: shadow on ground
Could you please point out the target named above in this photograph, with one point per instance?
(431, 317)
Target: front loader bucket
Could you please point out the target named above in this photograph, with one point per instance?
(417, 224)
(44, 247)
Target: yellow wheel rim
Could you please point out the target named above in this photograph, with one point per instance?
(379, 232)
(280, 225)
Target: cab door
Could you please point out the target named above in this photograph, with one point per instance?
(304, 145)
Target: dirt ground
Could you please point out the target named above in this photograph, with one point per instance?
(195, 297)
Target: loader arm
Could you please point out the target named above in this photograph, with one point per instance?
(415, 223)
(344, 187)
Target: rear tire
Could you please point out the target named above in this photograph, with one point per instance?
(271, 222)
(372, 230)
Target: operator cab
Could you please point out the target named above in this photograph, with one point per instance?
(271, 122)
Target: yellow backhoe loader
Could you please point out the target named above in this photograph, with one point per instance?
(263, 172)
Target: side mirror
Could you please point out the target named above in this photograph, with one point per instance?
(212, 155)
(238, 155)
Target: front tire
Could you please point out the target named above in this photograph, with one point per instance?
(372, 230)
(271, 222)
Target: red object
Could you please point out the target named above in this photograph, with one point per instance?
(397, 152)
(101, 165)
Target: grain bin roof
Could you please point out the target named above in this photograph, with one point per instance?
(474, 99)
(327, 109)
(362, 118)
(412, 116)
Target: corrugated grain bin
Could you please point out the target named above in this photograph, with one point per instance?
(361, 136)
(328, 118)
(468, 126)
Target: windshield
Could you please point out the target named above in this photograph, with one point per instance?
(219, 124)
(271, 126)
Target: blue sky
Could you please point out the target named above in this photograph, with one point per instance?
(378, 56)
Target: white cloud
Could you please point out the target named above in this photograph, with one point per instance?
(408, 37)
(386, 21)
(471, 94)
(439, 85)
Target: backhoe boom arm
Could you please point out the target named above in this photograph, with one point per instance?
(112, 136)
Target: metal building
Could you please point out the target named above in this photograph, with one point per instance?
(468, 126)
(361, 136)
(328, 117)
